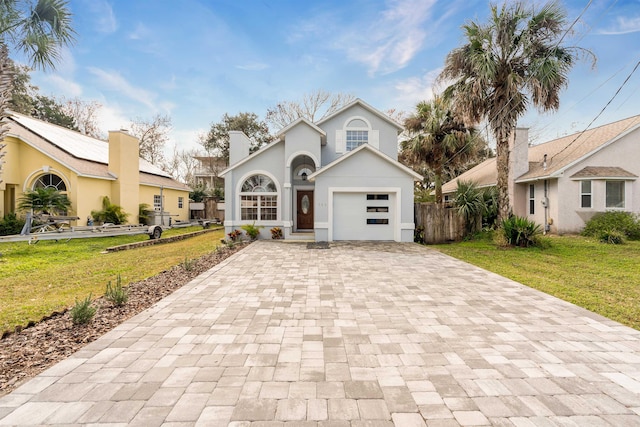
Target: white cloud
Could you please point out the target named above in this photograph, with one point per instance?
(253, 66)
(623, 25)
(65, 87)
(384, 43)
(105, 18)
(140, 32)
(110, 117)
(114, 81)
(415, 89)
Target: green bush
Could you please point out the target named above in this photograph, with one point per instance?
(117, 295)
(519, 231)
(110, 213)
(82, 312)
(625, 223)
(252, 230)
(11, 224)
(188, 264)
(612, 237)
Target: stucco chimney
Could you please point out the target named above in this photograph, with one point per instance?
(124, 165)
(238, 146)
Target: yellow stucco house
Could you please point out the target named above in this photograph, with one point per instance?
(40, 154)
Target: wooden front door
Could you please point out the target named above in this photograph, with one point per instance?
(304, 206)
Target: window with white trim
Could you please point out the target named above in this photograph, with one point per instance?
(585, 194)
(532, 199)
(157, 202)
(258, 199)
(356, 138)
(180, 202)
(614, 198)
(50, 180)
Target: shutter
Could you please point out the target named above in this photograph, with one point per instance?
(374, 138)
(340, 142)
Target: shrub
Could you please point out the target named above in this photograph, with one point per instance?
(110, 213)
(252, 230)
(188, 264)
(82, 312)
(143, 213)
(234, 235)
(625, 223)
(11, 224)
(418, 234)
(117, 295)
(612, 237)
(519, 231)
(276, 233)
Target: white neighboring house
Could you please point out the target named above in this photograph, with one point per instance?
(337, 179)
(563, 183)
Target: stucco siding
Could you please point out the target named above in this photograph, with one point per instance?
(388, 134)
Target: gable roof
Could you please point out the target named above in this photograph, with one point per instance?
(363, 147)
(603, 172)
(84, 155)
(562, 153)
(367, 107)
(295, 123)
(251, 156)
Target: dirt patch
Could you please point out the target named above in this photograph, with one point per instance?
(29, 352)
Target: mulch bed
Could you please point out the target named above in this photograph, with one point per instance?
(26, 353)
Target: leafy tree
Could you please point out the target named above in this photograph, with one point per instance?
(515, 59)
(312, 106)
(39, 29)
(23, 93)
(153, 135)
(438, 137)
(46, 200)
(216, 141)
(51, 111)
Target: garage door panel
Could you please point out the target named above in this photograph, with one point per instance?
(363, 216)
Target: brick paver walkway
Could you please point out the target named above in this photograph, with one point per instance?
(359, 334)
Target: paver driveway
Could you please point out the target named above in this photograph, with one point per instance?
(360, 334)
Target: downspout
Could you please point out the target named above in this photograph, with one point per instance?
(546, 206)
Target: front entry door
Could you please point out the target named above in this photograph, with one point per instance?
(304, 207)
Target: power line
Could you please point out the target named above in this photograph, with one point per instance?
(601, 111)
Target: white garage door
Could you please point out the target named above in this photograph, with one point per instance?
(363, 216)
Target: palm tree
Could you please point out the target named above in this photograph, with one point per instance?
(39, 29)
(513, 60)
(438, 138)
(47, 200)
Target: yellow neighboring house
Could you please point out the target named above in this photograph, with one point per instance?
(40, 154)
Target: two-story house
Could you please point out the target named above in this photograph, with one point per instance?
(336, 179)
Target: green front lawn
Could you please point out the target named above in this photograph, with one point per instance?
(36, 280)
(599, 277)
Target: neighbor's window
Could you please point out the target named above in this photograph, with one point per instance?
(180, 202)
(356, 138)
(258, 199)
(585, 194)
(532, 199)
(615, 194)
(157, 202)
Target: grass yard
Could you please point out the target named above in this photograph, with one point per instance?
(36, 280)
(601, 278)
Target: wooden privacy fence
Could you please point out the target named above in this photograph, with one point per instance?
(441, 223)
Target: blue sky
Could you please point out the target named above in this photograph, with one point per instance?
(198, 59)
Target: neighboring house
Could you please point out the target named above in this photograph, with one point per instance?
(40, 154)
(207, 173)
(337, 179)
(561, 184)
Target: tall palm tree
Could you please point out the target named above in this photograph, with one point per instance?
(438, 138)
(511, 61)
(38, 29)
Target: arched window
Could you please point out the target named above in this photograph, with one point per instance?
(258, 199)
(357, 133)
(50, 180)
